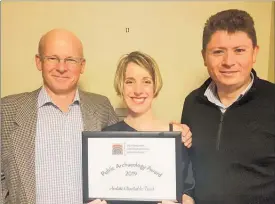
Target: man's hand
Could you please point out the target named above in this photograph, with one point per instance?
(98, 201)
(185, 133)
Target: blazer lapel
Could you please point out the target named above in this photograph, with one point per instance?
(24, 144)
(88, 110)
(23, 137)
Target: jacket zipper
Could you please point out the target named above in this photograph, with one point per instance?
(219, 132)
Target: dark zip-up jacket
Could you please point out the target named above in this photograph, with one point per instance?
(233, 154)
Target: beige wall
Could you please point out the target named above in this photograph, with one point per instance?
(169, 31)
(271, 73)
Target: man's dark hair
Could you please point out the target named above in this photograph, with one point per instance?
(232, 20)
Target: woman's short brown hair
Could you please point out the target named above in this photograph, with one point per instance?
(143, 60)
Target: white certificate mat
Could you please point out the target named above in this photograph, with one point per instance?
(131, 166)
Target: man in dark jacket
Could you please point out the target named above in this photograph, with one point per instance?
(232, 117)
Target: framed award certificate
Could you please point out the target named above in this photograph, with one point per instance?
(143, 167)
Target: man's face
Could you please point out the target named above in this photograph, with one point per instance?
(61, 77)
(229, 58)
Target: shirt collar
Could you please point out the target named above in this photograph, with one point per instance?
(248, 87)
(44, 98)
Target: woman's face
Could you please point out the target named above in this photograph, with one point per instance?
(138, 89)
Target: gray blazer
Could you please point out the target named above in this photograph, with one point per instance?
(18, 131)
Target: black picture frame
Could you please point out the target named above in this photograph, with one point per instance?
(125, 134)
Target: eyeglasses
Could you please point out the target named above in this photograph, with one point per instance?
(54, 60)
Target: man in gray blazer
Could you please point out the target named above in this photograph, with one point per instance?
(41, 145)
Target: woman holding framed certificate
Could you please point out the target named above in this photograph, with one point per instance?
(138, 81)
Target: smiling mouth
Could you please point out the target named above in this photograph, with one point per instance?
(228, 72)
(60, 77)
(138, 100)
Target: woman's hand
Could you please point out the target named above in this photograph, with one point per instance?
(186, 134)
(187, 199)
